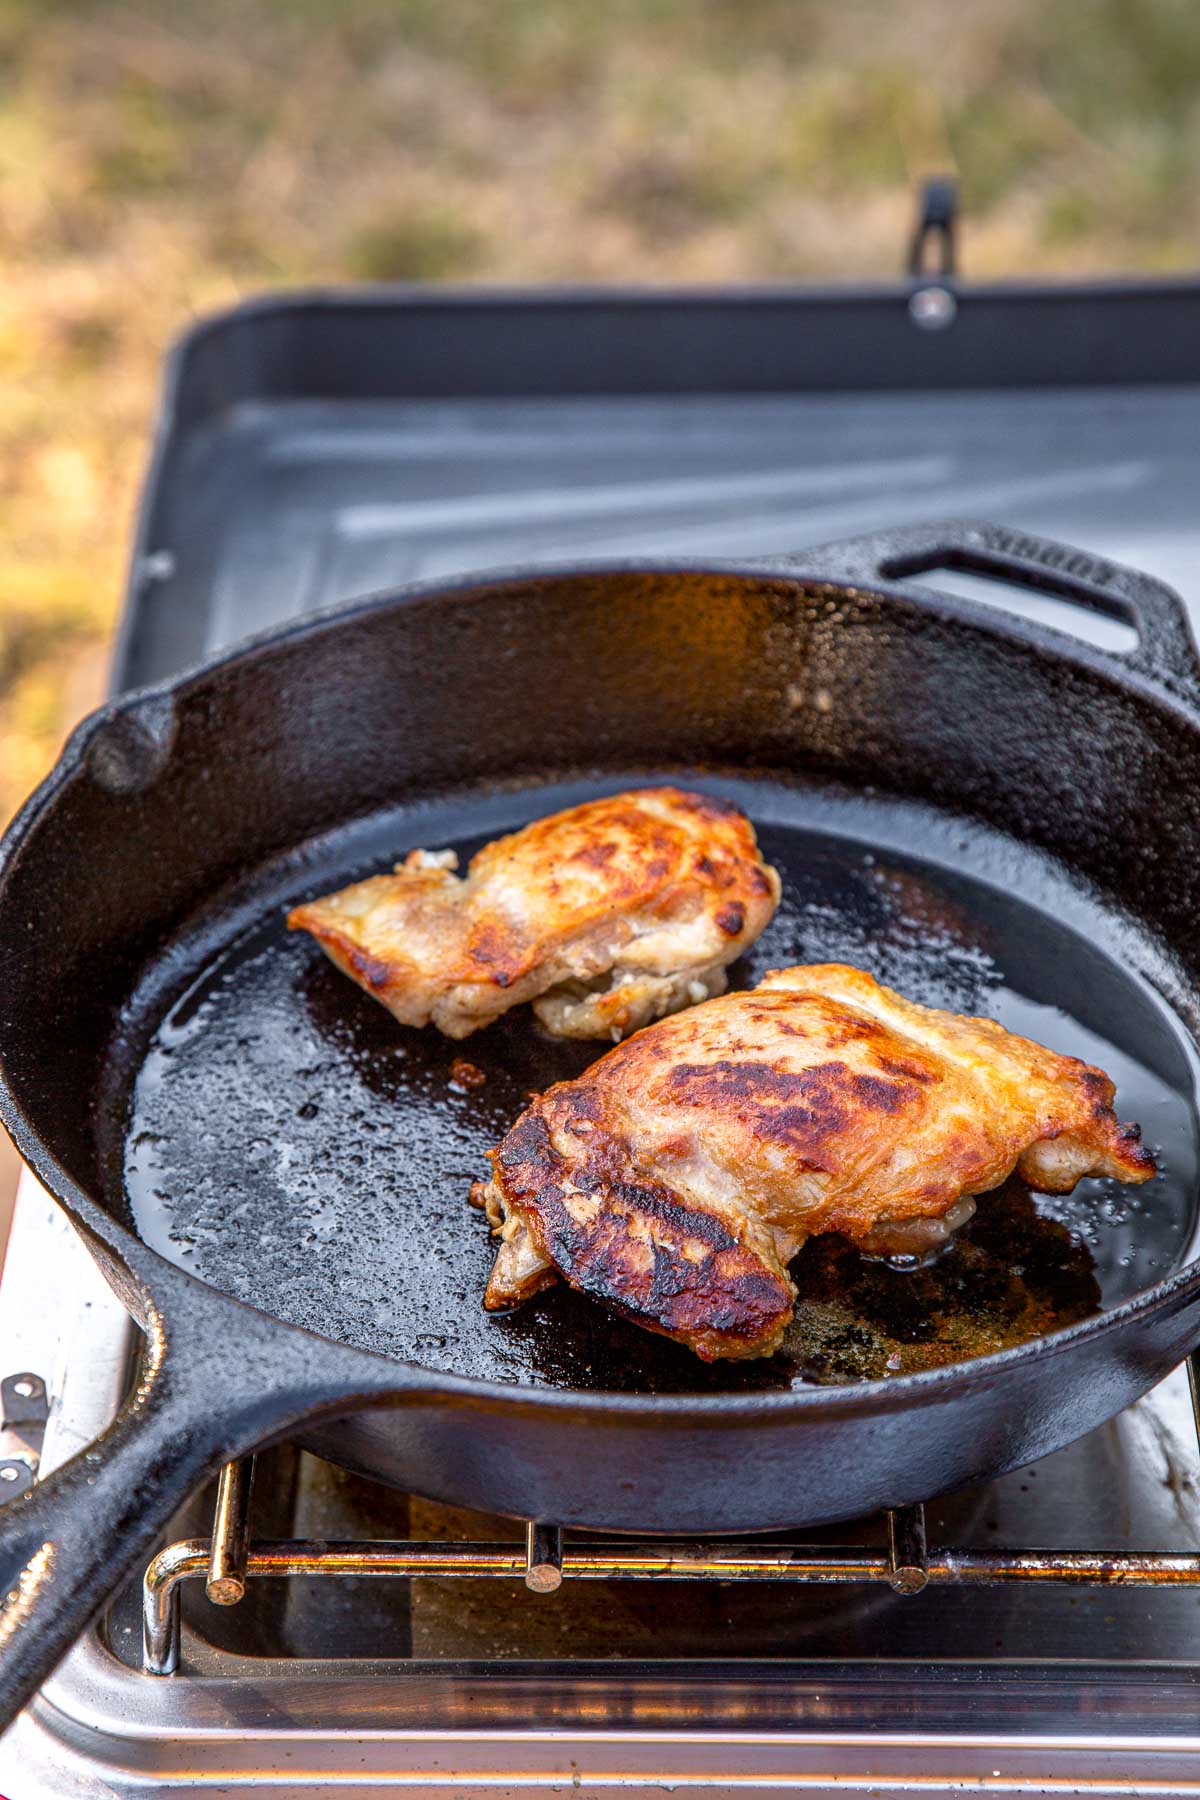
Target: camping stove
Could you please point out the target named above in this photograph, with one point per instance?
(302, 1630)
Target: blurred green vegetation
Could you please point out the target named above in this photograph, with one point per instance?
(161, 161)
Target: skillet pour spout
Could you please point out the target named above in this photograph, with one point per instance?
(180, 821)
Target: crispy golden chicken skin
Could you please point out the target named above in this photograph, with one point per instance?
(604, 916)
(679, 1175)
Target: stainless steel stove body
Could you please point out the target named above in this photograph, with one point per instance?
(281, 485)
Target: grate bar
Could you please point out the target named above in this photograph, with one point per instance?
(622, 1560)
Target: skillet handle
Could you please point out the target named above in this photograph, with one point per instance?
(216, 1381)
(1165, 649)
(67, 1543)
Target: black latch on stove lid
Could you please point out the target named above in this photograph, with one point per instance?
(933, 254)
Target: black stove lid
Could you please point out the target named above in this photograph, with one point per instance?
(316, 448)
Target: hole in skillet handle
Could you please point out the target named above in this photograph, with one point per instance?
(1099, 626)
(1150, 616)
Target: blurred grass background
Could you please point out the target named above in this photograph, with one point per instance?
(162, 161)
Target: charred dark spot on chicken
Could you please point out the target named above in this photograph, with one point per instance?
(801, 1109)
(711, 806)
(368, 969)
(596, 856)
(905, 1069)
(844, 1027)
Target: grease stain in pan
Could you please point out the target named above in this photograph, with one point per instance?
(288, 1142)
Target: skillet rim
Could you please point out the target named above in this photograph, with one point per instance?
(919, 1388)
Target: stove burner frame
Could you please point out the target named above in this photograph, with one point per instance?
(229, 1558)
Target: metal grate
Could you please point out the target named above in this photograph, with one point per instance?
(229, 1558)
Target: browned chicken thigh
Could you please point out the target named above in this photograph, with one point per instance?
(679, 1175)
(605, 916)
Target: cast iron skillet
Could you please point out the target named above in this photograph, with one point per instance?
(982, 809)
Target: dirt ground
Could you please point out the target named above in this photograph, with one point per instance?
(163, 160)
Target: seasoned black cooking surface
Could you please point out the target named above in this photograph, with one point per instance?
(290, 1143)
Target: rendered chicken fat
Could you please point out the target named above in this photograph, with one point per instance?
(679, 1175)
(605, 916)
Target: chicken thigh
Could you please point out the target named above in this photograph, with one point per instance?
(605, 916)
(679, 1175)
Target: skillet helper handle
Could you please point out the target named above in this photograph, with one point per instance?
(1165, 650)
